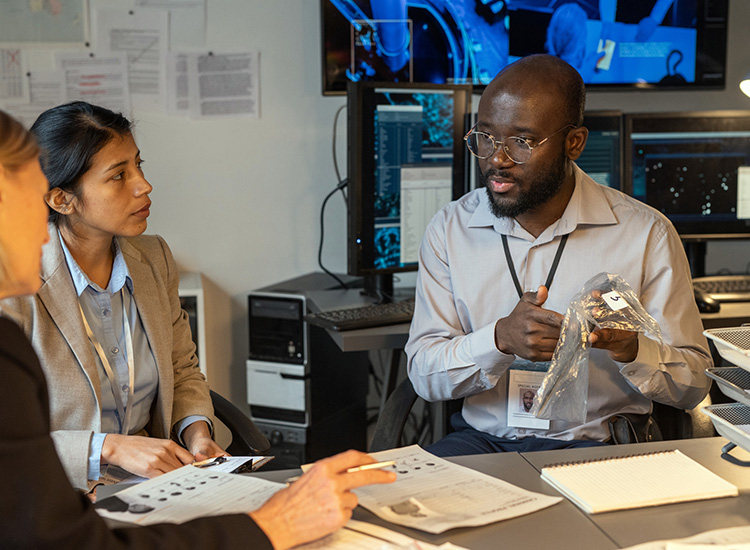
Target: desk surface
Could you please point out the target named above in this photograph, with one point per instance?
(561, 526)
(564, 526)
(731, 314)
(630, 527)
(386, 337)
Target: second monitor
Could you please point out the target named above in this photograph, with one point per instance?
(694, 168)
(406, 160)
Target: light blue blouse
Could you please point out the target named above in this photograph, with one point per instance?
(103, 310)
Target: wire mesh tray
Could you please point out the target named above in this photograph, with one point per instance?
(732, 421)
(733, 344)
(733, 382)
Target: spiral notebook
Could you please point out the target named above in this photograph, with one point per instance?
(636, 481)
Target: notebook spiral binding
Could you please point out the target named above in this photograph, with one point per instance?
(606, 459)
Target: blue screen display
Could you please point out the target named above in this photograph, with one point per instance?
(411, 128)
(646, 43)
(406, 161)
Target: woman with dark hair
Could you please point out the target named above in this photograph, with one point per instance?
(115, 345)
(39, 508)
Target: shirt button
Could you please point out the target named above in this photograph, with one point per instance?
(115, 350)
(106, 312)
(124, 387)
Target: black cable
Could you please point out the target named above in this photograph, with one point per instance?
(335, 158)
(339, 187)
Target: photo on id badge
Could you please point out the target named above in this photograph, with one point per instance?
(522, 387)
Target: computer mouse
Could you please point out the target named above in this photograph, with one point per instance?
(706, 304)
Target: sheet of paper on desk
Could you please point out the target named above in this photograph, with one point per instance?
(230, 464)
(187, 493)
(434, 495)
(234, 464)
(358, 535)
(731, 538)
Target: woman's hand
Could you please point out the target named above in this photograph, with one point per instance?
(318, 503)
(144, 456)
(197, 438)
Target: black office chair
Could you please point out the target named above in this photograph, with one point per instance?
(391, 424)
(247, 439)
(665, 423)
(392, 419)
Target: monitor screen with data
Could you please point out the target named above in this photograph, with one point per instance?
(406, 160)
(694, 168)
(602, 157)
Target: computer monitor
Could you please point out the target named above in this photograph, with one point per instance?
(602, 157)
(470, 41)
(406, 160)
(694, 168)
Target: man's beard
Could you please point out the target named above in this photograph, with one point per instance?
(531, 193)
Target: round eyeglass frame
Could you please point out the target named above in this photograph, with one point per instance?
(497, 143)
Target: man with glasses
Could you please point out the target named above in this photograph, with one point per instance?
(499, 267)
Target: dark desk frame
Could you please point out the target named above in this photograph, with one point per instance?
(390, 337)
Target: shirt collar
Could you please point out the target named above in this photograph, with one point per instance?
(587, 206)
(119, 278)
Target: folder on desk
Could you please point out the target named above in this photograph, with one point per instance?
(636, 481)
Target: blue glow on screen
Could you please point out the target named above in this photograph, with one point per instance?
(470, 41)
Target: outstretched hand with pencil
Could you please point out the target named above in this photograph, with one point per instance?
(321, 500)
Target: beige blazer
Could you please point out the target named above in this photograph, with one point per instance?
(52, 321)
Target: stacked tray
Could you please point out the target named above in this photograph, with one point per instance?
(733, 344)
(732, 420)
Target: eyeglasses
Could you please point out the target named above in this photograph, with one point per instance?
(517, 149)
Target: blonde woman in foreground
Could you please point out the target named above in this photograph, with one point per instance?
(39, 508)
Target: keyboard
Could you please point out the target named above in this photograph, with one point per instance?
(725, 288)
(375, 315)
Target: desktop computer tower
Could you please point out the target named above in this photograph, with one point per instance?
(305, 394)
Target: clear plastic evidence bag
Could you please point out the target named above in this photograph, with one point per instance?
(605, 301)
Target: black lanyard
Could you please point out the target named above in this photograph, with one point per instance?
(550, 275)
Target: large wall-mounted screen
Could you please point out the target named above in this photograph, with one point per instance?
(660, 44)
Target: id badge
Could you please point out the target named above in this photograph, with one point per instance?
(524, 379)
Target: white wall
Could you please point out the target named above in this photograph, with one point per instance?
(239, 200)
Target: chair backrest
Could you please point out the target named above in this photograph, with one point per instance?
(392, 419)
(684, 423)
(247, 439)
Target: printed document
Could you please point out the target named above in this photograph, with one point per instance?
(187, 493)
(223, 85)
(731, 538)
(102, 80)
(142, 35)
(358, 535)
(434, 495)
